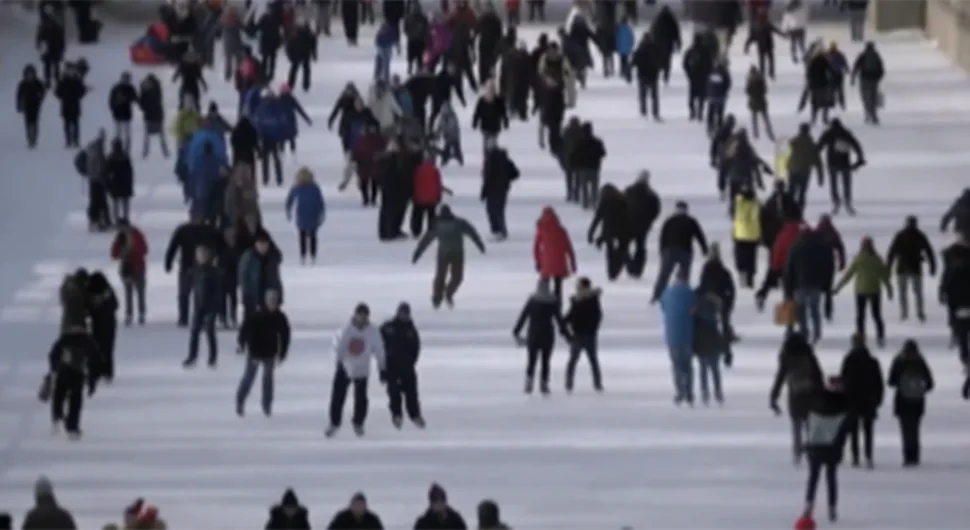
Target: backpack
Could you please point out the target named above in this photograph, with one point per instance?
(81, 162)
(912, 385)
(801, 376)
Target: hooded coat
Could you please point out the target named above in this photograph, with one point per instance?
(800, 371)
(289, 514)
(551, 248)
(307, 199)
(677, 303)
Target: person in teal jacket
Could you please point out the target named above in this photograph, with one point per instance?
(625, 41)
(259, 272)
(677, 303)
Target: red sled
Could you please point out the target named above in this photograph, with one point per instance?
(142, 55)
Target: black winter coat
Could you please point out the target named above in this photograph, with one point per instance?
(543, 315)
(150, 102)
(84, 359)
(101, 298)
(953, 283)
(432, 521)
(585, 314)
(643, 208)
(120, 100)
(810, 264)
(862, 382)
(265, 334)
(288, 518)
(345, 520)
(498, 173)
(911, 377)
(800, 371)
(206, 288)
(30, 97)
(908, 250)
(679, 232)
(716, 279)
(490, 116)
(588, 153)
(402, 345)
(244, 140)
(70, 91)
(185, 239)
(50, 34)
(302, 45)
(121, 175)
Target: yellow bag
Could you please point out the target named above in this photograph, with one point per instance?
(785, 313)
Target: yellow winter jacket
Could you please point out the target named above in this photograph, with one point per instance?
(747, 220)
(185, 124)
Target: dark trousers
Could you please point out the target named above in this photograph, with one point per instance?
(269, 62)
(72, 131)
(230, 299)
(68, 390)
(746, 261)
(815, 468)
(368, 190)
(338, 396)
(695, 100)
(584, 344)
(415, 53)
(403, 384)
(298, 67)
(637, 261)
(134, 293)
(308, 244)
(798, 187)
(616, 257)
(766, 62)
(715, 115)
(104, 329)
(271, 152)
(647, 87)
(864, 423)
(32, 130)
(495, 210)
(203, 321)
(537, 10)
(420, 213)
(52, 72)
(671, 261)
(538, 354)
(184, 291)
(98, 212)
(840, 177)
(909, 430)
(874, 303)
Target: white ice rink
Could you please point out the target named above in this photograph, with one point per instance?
(628, 457)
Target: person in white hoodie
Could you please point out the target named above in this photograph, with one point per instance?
(793, 23)
(355, 345)
(381, 102)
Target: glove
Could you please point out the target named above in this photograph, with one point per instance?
(382, 375)
(519, 341)
(728, 359)
(775, 408)
(91, 389)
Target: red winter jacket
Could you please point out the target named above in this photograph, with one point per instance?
(783, 243)
(552, 250)
(427, 184)
(135, 255)
(365, 151)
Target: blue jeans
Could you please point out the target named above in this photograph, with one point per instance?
(809, 305)
(669, 261)
(710, 368)
(683, 372)
(249, 377)
(382, 64)
(184, 292)
(203, 320)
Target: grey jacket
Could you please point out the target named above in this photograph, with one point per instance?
(448, 128)
(96, 166)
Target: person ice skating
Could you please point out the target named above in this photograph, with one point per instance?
(450, 232)
(909, 249)
(356, 515)
(402, 345)
(150, 102)
(839, 145)
(75, 363)
(30, 98)
(129, 249)
(103, 309)
(912, 380)
(121, 99)
(746, 233)
(206, 300)
(677, 304)
(709, 345)
(71, 91)
(542, 313)
(609, 227)
(862, 381)
(643, 209)
(583, 318)
(677, 237)
(311, 211)
(954, 292)
(265, 338)
(799, 370)
(289, 514)
(489, 516)
(716, 281)
(498, 174)
(120, 181)
(439, 513)
(827, 427)
(355, 346)
(552, 250)
(259, 272)
(871, 277)
(870, 70)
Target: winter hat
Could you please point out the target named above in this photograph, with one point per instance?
(362, 309)
(437, 494)
(805, 522)
(404, 308)
(289, 498)
(43, 487)
(358, 497)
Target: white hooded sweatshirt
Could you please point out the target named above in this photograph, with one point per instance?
(795, 19)
(356, 346)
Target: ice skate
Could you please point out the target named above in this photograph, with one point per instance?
(240, 410)
(359, 430)
(397, 422)
(419, 422)
(74, 435)
(331, 431)
(528, 385)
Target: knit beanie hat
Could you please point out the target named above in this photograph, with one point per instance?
(437, 494)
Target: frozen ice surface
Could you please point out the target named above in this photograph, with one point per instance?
(628, 457)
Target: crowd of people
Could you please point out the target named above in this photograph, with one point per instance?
(398, 135)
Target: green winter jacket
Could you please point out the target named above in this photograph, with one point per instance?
(450, 232)
(870, 273)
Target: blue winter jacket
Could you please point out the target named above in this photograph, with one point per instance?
(719, 85)
(275, 118)
(296, 110)
(625, 39)
(258, 274)
(251, 101)
(677, 303)
(194, 148)
(202, 183)
(403, 98)
(386, 37)
(311, 209)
